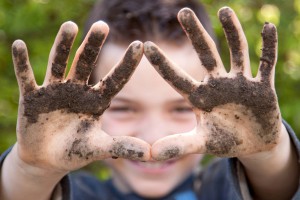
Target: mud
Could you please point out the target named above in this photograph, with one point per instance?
(268, 57)
(171, 152)
(232, 37)
(20, 56)
(121, 150)
(79, 150)
(221, 142)
(62, 55)
(121, 75)
(87, 58)
(168, 73)
(68, 97)
(256, 96)
(84, 126)
(198, 40)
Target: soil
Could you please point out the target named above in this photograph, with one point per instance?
(221, 142)
(190, 24)
(88, 57)
(62, 55)
(168, 73)
(232, 36)
(120, 149)
(268, 57)
(21, 58)
(171, 152)
(68, 97)
(77, 98)
(84, 126)
(79, 149)
(121, 74)
(256, 96)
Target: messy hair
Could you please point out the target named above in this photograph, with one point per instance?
(154, 20)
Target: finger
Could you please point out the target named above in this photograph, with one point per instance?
(202, 42)
(269, 54)
(106, 146)
(86, 55)
(114, 81)
(129, 148)
(177, 145)
(175, 76)
(60, 52)
(22, 67)
(237, 42)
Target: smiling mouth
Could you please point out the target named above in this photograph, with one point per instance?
(153, 167)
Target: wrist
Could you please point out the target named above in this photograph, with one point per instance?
(277, 155)
(32, 171)
(30, 181)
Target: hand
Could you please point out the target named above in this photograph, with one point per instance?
(237, 114)
(59, 122)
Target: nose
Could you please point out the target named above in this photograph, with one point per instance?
(152, 127)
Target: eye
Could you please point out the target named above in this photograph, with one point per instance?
(182, 109)
(121, 109)
(182, 113)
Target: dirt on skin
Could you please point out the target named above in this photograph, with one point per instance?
(22, 67)
(121, 74)
(268, 57)
(170, 152)
(256, 96)
(80, 150)
(21, 56)
(62, 55)
(197, 38)
(221, 142)
(68, 97)
(77, 98)
(87, 58)
(120, 149)
(232, 37)
(168, 73)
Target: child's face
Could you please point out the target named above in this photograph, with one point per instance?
(149, 109)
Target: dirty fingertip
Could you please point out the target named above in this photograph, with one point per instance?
(100, 26)
(184, 12)
(161, 153)
(18, 44)
(269, 27)
(69, 27)
(148, 46)
(137, 48)
(132, 150)
(225, 10)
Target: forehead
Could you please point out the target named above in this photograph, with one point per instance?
(183, 56)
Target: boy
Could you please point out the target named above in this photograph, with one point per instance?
(62, 125)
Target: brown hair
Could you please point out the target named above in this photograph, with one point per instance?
(145, 20)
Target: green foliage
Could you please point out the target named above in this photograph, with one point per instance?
(37, 22)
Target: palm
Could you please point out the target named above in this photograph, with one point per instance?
(237, 114)
(59, 122)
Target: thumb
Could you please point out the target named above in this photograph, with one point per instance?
(178, 145)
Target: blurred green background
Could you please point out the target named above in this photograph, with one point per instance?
(37, 22)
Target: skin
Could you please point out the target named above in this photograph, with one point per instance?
(148, 108)
(227, 127)
(56, 132)
(237, 115)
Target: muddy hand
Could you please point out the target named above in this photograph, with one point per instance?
(237, 114)
(59, 122)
